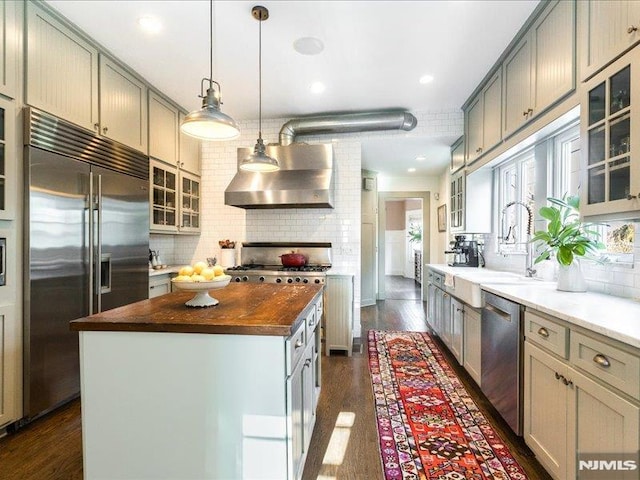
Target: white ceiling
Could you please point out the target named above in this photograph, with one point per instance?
(374, 54)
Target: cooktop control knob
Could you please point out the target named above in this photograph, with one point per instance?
(306, 280)
(278, 280)
(245, 278)
(237, 279)
(261, 279)
(317, 280)
(298, 279)
(289, 280)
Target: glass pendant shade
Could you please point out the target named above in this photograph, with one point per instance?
(259, 161)
(209, 123)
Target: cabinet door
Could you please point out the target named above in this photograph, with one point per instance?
(517, 106)
(294, 410)
(8, 167)
(163, 129)
(610, 28)
(610, 127)
(600, 421)
(471, 344)
(189, 203)
(163, 198)
(553, 37)
(457, 204)
(457, 155)
(8, 364)
(431, 289)
(308, 392)
(445, 315)
(492, 112)
(473, 133)
(123, 106)
(457, 326)
(545, 409)
(62, 70)
(8, 48)
(189, 151)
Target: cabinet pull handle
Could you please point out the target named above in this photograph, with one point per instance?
(530, 111)
(104, 130)
(631, 197)
(631, 29)
(543, 332)
(602, 360)
(96, 126)
(525, 113)
(299, 344)
(558, 376)
(566, 382)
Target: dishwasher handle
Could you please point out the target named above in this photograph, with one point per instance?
(501, 313)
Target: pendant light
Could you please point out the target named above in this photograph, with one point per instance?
(259, 161)
(209, 123)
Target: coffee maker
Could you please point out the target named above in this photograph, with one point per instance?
(465, 252)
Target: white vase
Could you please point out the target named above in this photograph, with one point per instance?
(228, 257)
(570, 278)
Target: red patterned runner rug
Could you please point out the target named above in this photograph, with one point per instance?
(428, 425)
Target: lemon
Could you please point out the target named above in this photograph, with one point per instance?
(198, 267)
(182, 278)
(198, 278)
(208, 273)
(218, 270)
(186, 271)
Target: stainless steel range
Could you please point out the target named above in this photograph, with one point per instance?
(260, 263)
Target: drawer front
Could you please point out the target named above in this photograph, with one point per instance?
(294, 347)
(607, 363)
(547, 334)
(311, 322)
(319, 311)
(438, 280)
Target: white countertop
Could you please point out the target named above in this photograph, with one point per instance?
(164, 271)
(614, 317)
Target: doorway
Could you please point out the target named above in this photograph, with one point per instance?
(403, 244)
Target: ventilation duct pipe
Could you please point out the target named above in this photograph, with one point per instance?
(346, 123)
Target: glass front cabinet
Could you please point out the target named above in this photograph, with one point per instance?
(610, 122)
(7, 160)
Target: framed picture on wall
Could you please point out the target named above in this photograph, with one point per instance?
(442, 218)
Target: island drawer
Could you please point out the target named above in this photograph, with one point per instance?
(608, 363)
(294, 347)
(546, 333)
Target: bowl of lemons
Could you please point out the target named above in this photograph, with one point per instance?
(201, 278)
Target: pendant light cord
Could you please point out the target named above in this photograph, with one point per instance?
(260, 80)
(210, 43)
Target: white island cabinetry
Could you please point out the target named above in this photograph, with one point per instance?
(159, 404)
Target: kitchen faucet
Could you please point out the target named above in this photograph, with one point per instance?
(530, 271)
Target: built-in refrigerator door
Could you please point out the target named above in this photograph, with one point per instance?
(57, 286)
(122, 239)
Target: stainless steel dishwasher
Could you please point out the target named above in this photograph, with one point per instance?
(502, 338)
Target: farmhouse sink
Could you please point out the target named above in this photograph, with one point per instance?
(467, 286)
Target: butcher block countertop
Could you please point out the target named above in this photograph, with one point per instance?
(244, 309)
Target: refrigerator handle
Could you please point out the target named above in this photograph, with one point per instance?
(98, 257)
(91, 244)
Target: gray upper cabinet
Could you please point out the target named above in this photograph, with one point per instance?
(62, 70)
(189, 151)
(483, 119)
(609, 28)
(163, 129)
(540, 70)
(123, 106)
(8, 48)
(457, 155)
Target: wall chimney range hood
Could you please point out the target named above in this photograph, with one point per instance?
(306, 177)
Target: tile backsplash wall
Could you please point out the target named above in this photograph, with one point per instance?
(609, 278)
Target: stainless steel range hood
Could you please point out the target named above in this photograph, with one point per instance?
(305, 179)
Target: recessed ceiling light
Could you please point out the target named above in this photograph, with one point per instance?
(150, 24)
(421, 158)
(308, 46)
(317, 87)
(411, 170)
(426, 79)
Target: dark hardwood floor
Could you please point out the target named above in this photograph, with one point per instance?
(344, 445)
(397, 287)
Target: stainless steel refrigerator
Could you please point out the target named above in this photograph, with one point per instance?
(87, 247)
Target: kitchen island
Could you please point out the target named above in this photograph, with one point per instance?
(223, 392)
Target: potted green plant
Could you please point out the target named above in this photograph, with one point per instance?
(568, 239)
(415, 233)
